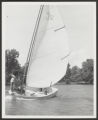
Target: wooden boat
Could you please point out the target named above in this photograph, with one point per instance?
(37, 95)
(46, 61)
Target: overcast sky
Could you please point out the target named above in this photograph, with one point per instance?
(19, 20)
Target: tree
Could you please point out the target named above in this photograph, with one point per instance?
(11, 63)
(66, 77)
(75, 74)
(84, 75)
(87, 71)
(68, 74)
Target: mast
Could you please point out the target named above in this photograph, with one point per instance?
(32, 43)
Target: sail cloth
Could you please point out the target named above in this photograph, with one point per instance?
(47, 65)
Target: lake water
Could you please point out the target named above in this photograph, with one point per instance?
(70, 100)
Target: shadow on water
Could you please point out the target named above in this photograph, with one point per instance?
(70, 100)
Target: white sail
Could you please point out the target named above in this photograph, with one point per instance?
(47, 63)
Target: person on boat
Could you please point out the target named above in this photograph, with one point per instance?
(12, 82)
(40, 89)
(50, 88)
(45, 91)
(18, 84)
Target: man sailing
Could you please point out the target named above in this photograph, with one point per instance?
(12, 81)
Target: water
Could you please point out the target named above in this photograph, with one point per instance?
(70, 100)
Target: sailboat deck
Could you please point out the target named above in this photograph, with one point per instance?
(38, 95)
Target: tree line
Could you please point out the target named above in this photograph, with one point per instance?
(75, 74)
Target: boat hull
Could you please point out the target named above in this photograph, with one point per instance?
(38, 95)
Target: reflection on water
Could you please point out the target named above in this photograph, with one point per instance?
(70, 100)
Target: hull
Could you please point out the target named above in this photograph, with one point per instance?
(37, 95)
(11, 93)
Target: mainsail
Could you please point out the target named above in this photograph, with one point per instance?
(46, 63)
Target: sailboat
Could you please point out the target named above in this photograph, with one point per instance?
(48, 55)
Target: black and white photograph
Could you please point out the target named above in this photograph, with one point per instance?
(49, 59)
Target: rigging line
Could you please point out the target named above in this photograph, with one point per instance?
(31, 45)
(32, 41)
(59, 28)
(34, 36)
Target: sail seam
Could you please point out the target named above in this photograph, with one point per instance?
(59, 28)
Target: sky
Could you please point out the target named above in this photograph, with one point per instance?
(79, 18)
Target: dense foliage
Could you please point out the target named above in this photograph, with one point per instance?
(11, 63)
(78, 75)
